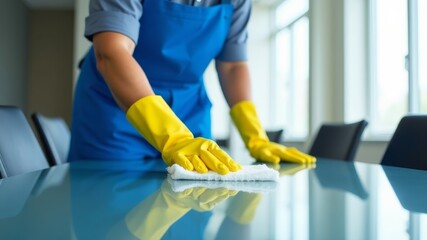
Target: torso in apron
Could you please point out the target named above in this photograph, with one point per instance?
(176, 44)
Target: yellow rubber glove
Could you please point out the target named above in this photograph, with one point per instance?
(290, 168)
(153, 217)
(156, 121)
(242, 207)
(246, 120)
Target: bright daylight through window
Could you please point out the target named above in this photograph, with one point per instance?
(291, 68)
(398, 53)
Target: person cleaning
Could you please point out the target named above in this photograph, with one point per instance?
(140, 92)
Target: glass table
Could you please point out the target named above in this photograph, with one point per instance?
(132, 200)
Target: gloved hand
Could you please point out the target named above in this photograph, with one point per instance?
(198, 198)
(256, 140)
(154, 119)
(291, 169)
(153, 217)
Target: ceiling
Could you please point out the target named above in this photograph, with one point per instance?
(50, 4)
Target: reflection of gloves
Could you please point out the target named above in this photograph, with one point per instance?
(256, 140)
(199, 198)
(243, 207)
(154, 119)
(153, 217)
(290, 168)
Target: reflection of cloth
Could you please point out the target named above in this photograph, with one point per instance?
(248, 173)
(250, 187)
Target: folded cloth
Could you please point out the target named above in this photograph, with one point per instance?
(248, 173)
(241, 186)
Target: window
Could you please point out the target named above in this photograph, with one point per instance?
(390, 78)
(290, 68)
(398, 82)
(422, 53)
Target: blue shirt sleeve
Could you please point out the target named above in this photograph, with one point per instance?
(235, 46)
(114, 16)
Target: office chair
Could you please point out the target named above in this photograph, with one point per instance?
(55, 137)
(408, 146)
(275, 135)
(19, 150)
(338, 141)
(223, 142)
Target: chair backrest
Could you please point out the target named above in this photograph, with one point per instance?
(54, 135)
(19, 150)
(338, 141)
(223, 142)
(275, 135)
(407, 147)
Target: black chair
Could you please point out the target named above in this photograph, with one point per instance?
(275, 135)
(338, 141)
(408, 146)
(223, 142)
(54, 135)
(19, 150)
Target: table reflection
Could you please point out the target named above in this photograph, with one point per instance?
(410, 187)
(133, 200)
(142, 204)
(36, 205)
(340, 176)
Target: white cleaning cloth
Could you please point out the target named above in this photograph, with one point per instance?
(248, 173)
(241, 186)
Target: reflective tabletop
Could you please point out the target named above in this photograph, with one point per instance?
(136, 200)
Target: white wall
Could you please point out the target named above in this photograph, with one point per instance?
(326, 62)
(50, 57)
(13, 53)
(81, 44)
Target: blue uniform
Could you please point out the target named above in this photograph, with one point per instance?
(174, 45)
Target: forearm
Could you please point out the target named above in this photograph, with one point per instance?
(235, 81)
(123, 75)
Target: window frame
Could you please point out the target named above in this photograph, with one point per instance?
(412, 61)
(275, 31)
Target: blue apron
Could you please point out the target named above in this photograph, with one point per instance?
(176, 44)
